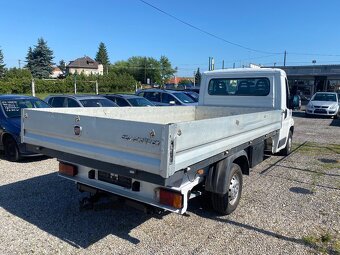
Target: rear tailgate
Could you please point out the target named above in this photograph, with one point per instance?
(132, 144)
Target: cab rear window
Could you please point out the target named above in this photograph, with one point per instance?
(239, 87)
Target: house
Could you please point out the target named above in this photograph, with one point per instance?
(56, 72)
(85, 65)
(176, 80)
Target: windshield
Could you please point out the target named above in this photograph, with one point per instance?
(97, 102)
(139, 101)
(12, 107)
(184, 98)
(193, 95)
(324, 97)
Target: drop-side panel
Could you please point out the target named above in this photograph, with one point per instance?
(133, 144)
(202, 139)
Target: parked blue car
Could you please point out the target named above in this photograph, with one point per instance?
(10, 124)
(163, 97)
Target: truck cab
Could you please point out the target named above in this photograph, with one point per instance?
(251, 87)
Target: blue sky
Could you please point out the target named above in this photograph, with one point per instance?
(131, 28)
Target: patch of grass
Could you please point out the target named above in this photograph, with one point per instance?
(317, 149)
(324, 242)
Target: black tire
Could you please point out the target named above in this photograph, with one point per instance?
(288, 149)
(11, 149)
(226, 203)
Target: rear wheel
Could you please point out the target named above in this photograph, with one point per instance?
(227, 203)
(11, 149)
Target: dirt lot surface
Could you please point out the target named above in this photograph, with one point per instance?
(289, 205)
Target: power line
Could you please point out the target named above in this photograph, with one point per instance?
(230, 42)
(206, 32)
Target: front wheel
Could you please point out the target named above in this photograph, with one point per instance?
(288, 149)
(227, 203)
(11, 149)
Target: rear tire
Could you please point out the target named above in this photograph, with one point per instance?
(11, 149)
(227, 203)
(288, 149)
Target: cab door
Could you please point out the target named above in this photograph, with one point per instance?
(287, 120)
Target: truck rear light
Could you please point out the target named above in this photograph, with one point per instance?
(170, 198)
(67, 169)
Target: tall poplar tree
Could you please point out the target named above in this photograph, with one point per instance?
(2, 64)
(198, 77)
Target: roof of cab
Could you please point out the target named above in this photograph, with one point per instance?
(246, 71)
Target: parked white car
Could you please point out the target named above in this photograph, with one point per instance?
(323, 103)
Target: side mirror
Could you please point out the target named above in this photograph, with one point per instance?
(172, 103)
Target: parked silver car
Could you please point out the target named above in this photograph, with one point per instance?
(79, 101)
(323, 103)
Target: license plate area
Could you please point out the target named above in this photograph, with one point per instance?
(115, 179)
(320, 111)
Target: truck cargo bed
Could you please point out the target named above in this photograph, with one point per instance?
(157, 140)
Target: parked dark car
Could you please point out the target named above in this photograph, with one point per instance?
(128, 100)
(79, 101)
(192, 94)
(164, 97)
(10, 124)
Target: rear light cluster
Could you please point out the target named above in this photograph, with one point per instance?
(170, 198)
(67, 169)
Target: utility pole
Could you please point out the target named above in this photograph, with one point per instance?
(75, 84)
(194, 78)
(284, 59)
(19, 63)
(212, 64)
(33, 87)
(97, 91)
(223, 64)
(144, 70)
(209, 64)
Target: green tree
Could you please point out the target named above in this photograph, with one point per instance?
(102, 57)
(62, 65)
(198, 77)
(185, 81)
(2, 64)
(29, 58)
(166, 70)
(143, 68)
(39, 60)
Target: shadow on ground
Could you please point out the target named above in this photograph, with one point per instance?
(52, 204)
(196, 208)
(26, 159)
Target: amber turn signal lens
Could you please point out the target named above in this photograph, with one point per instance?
(171, 198)
(67, 169)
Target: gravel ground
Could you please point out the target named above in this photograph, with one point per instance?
(289, 206)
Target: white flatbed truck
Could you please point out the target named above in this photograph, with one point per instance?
(164, 156)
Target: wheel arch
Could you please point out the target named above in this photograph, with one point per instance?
(219, 172)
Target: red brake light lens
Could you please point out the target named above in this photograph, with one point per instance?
(67, 169)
